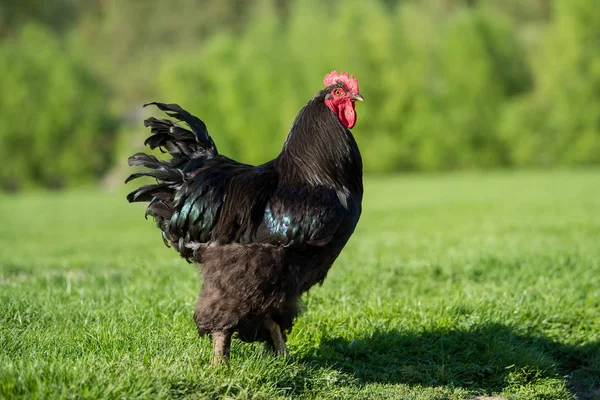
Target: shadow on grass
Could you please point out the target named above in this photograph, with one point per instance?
(486, 359)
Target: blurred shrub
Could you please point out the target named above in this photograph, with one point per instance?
(558, 123)
(59, 14)
(474, 69)
(434, 84)
(448, 85)
(55, 129)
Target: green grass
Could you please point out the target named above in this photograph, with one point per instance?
(454, 286)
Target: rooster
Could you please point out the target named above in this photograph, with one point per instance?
(261, 235)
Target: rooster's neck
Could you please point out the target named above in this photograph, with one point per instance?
(319, 150)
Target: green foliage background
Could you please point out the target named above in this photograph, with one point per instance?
(449, 84)
(54, 125)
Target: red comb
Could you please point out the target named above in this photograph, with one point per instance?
(349, 81)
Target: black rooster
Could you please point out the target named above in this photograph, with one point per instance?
(263, 235)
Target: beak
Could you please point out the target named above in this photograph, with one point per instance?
(357, 97)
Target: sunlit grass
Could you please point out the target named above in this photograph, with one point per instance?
(453, 286)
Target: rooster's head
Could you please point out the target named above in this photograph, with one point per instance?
(342, 93)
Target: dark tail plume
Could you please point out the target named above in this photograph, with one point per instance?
(183, 145)
(177, 140)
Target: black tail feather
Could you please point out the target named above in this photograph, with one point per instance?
(144, 160)
(182, 144)
(160, 208)
(188, 149)
(176, 132)
(172, 136)
(166, 175)
(146, 193)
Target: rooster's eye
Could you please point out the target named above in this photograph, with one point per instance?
(338, 92)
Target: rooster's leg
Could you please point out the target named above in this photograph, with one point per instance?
(276, 338)
(221, 345)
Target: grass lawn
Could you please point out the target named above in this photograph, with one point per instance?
(453, 286)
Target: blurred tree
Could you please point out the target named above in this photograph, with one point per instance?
(58, 15)
(449, 84)
(435, 84)
(55, 127)
(479, 67)
(559, 122)
(237, 83)
(132, 37)
(518, 10)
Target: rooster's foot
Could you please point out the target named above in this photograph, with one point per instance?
(221, 346)
(277, 342)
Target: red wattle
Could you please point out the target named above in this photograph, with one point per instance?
(349, 115)
(344, 111)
